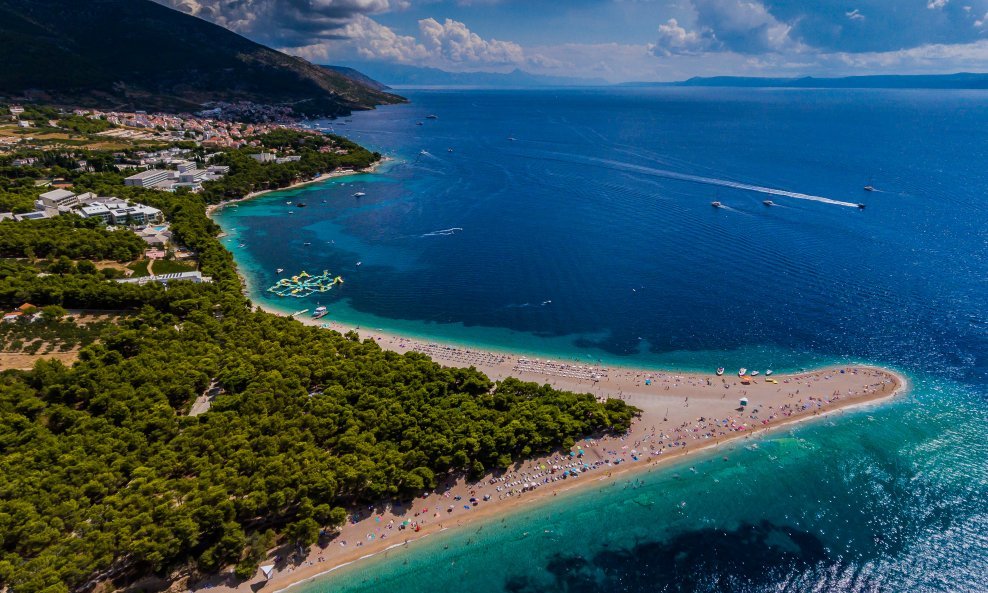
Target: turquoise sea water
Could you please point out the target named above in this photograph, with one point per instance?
(578, 224)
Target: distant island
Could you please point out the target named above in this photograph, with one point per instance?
(407, 75)
(137, 54)
(960, 80)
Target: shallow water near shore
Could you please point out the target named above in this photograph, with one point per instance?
(590, 236)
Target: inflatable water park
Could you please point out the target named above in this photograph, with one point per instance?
(304, 284)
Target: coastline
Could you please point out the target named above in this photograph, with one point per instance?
(668, 430)
(212, 208)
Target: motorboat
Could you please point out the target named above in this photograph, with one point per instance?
(359, 194)
(321, 311)
(768, 372)
(869, 188)
(861, 206)
(431, 116)
(768, 202)
(720, 371)
(300, 204)
(716, 204)
(742, 371)
(754, 373)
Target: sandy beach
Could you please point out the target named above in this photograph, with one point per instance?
(210, 209)
(682, 414)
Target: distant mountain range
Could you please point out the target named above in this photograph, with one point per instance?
(962, 80)
(138, 54)
(405, 75)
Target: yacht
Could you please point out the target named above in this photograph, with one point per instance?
(321, 311)
(716, 204)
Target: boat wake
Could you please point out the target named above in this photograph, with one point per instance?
(443, 232)
(664, 173)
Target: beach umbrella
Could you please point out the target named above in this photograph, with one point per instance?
(744, 401)
(268, 570)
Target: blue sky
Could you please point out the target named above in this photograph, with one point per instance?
(622, 40)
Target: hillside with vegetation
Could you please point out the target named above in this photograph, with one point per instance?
(138, 54)
(107, 475)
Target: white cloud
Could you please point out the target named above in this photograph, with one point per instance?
(674, 39)
(936, 4)
(454, 42)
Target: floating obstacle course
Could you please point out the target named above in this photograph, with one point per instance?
(304, 284)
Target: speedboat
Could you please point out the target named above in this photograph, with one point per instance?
(768, 372)
(861, 206)
(720, 371)
(716, 204)
(279, 270)
(768, 202)
(307, 243)
(301, 204)
(430, 116)
(754, 373)
(359, 194)
(869, 188)
(742, 371)
(420, 124)
(449, 150)
(359, 262)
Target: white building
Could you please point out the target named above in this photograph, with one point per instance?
(58, 198)
(264, 157)
(148, 178)
(195, 277)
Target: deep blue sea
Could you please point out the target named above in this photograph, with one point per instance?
(578, 224)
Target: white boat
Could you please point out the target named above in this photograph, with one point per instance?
(768, 372)
(430, 116)
(742, 371)
(321, 311)
(768, 202)
(869, 188)
(754, 373)
(279, 270)
(359, 262)
(359, 194)
(716, 204)
(720, 371)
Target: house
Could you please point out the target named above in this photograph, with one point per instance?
(16, 110)
(12, 317)
(24, 124)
